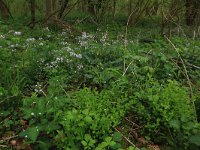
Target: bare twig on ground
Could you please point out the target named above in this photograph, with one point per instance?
(127, 139)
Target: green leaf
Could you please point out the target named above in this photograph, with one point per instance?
(89, 76)
(117, 137)
(195, 139)
(88, 119)
(108, 139)
(175, 124)
(112, 143)
(15, 91)
(84, 143)
(1, 91)
(30, 133)
(87, 137)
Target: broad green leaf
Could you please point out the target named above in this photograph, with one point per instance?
(195, 139)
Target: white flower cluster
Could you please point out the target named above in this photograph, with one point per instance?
(17, 33)
(2, 36)
(55, 63)
(13, 46)
(63, 33)
(38, 87)
(72, 53)
(84, 39)
(79, 66)
(104, 38)
(30, 39)
(63, 43)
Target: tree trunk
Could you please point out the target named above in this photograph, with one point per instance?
(155, 7)
(64, 5)
(130, 7)
(48, 8)
(4, 11)
(114, 8)
(32, 8)
(192, 10)
(51, 10)
(91, 7)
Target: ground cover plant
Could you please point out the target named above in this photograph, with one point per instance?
(61, 93)
(98, 84)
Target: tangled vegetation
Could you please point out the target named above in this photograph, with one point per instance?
(105, 86)
(83, 93)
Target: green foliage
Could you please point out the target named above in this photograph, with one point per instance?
(57, 91)
(162, 106)
(91, 119)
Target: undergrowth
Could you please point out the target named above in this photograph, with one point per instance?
(59, 92)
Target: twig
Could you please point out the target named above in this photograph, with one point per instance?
(197, 67)
(127, 139)
(132, 122)
(126, 69)
(8, 138)
(4, 146)
(5, 119)
(126, 39)
(71, 8)
(6, 99)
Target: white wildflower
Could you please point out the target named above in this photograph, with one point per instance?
(83, 43)
(78, 56)
(30, 39)
(41, 44)
(46, 29)
(80, 66)
(63, 43)
(2, 36)
(84, 35)
(12, 46)
(59, 59)
(63, 33)
(17, 33)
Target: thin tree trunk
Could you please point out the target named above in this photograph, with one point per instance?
(4, 10)
(192, 10)
(55, 9)
(114, 8)
(32, 7)
(48, 8)
(91, 8)
(51, 10)
(63, 7)
(155, 7)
